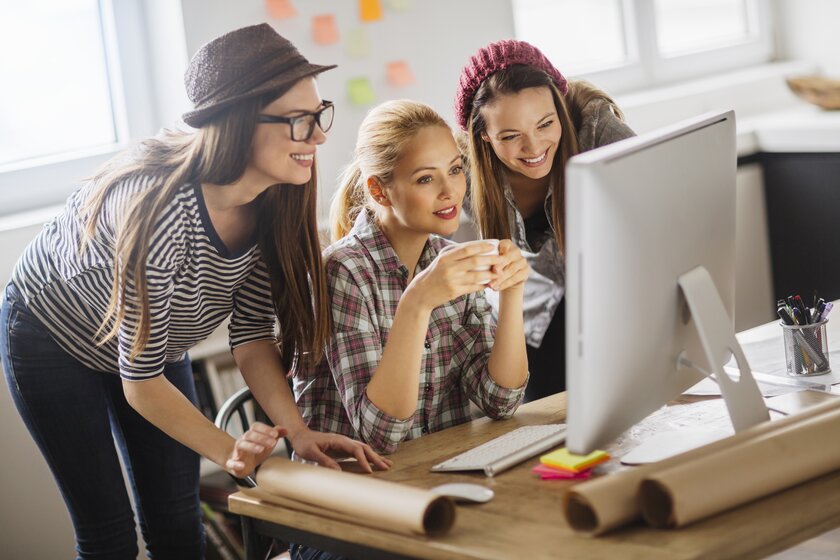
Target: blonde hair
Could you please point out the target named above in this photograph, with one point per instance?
(486, 170)
(382, 138)
(287, 232)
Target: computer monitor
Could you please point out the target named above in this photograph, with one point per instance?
(650, 278)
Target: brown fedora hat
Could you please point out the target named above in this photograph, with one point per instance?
(240, 65)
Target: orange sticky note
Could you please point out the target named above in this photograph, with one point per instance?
(280, 9)
(399, 73)
(562, 459)
(370, 10)
(360, 91)
(324, 29)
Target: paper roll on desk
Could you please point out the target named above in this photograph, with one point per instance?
(354, 498)
(760, 466)
(608, 502)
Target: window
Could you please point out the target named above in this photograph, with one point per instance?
(628, 44)
(75, 91)
(54, 103)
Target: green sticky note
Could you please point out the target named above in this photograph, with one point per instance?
(360, 91)
(358, 43)
(398, 5)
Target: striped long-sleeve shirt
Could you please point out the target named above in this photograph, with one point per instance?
(194, 282)
(366, 280)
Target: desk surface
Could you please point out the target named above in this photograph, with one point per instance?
(524, 519)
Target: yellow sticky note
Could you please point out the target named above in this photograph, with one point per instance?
(398, 5)
(399, 73)
(370, 10)
(324, 29)
(358, 43)
(360, 91)
(562, 459)
(280, 9)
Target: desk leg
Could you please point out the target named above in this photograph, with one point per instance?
(256, 545)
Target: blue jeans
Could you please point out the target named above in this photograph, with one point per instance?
(76, 415)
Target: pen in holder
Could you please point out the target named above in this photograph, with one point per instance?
(806, 349)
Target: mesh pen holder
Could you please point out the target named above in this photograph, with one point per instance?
(806, 349)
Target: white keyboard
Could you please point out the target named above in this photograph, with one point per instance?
(506, 451)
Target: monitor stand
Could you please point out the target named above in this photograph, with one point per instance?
(717, 337)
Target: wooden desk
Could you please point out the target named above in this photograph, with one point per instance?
(524, 519)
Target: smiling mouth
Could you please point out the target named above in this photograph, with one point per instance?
(446, 212)
(303, 157)
(537, 160)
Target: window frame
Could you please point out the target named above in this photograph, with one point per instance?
(645, 67)
(47, 180)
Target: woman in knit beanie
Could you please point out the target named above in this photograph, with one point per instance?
(523, 121)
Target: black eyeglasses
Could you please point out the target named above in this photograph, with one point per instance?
(303, 126)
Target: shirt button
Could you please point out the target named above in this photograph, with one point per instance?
(428, 388)
(425, 430)
(427, 344)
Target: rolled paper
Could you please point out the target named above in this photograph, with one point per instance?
(347, 497)
(679, 495)
(605, 503)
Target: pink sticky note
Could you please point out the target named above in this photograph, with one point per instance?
(399, 73)
(324, 29)
(370, 10)
(547, 473)
(280, 9)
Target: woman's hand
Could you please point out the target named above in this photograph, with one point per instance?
(322, 448)
(513, 270)
(252, 448)
(456, 271)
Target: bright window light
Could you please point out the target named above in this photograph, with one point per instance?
(576, 36)
(684, 26)
(55, 96)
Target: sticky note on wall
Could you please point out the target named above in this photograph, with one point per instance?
(398, 5)
(370, 10)
(324, 29)
(358, 43)
(280, 9)
(360, 91)
(399, 73)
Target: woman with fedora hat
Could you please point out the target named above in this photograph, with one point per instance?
(145, 261)
(523, 121)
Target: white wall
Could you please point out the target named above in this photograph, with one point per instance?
(436, 37)
(807, 29)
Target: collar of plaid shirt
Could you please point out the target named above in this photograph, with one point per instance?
(381, 252)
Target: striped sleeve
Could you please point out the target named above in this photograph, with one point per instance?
(166, 253)
(253, 315)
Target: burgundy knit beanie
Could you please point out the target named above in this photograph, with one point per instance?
(492, 58)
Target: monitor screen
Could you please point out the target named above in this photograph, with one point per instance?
(639, 214)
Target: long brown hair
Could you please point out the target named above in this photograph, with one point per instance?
(383, 135)
(486, 170)
(216, 153)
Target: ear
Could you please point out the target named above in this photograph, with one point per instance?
(377, 191)
(485, 137)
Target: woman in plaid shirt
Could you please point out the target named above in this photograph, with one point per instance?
(414, 340)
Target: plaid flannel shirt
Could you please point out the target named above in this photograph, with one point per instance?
(366, 280)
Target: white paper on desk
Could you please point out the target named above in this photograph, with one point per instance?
(709, 388)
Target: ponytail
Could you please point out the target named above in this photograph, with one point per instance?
(347, 202)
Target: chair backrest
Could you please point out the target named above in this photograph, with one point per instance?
(242, 406)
